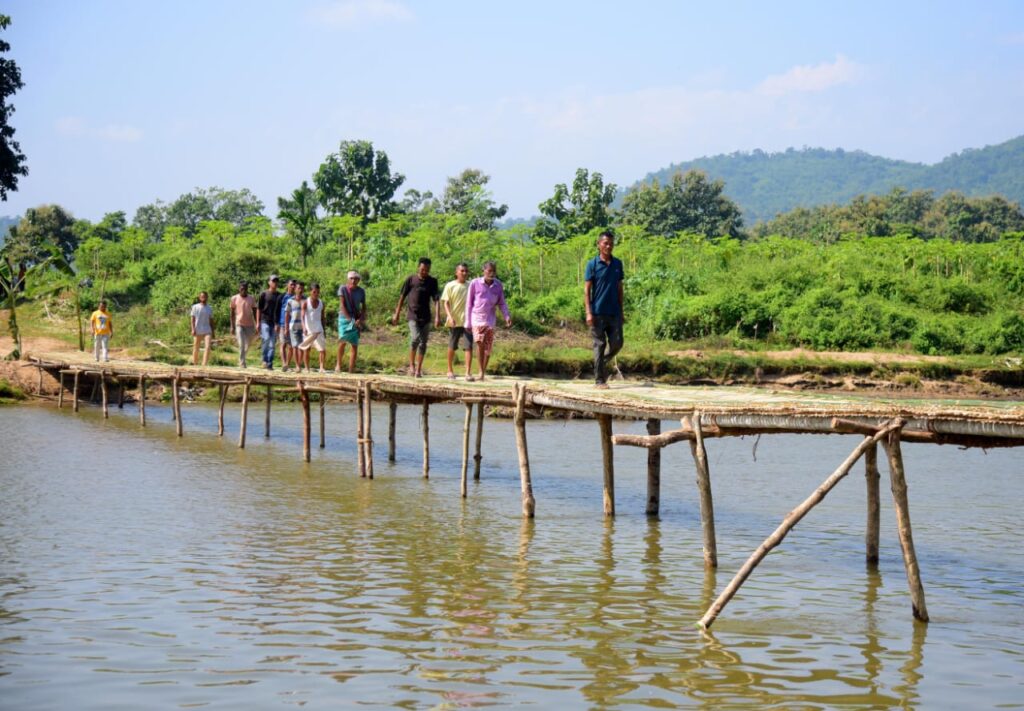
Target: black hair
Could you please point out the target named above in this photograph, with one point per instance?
(607, 233)
(424, 260)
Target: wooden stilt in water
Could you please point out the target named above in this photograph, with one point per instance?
(525, 484)
(360, 432)
(790, 521)
(176, 401)
(898, 483)
(425, 425)
(479, 439)
(368, 430)
(463, 484)
(142, 400)
(60, 392)
(608, 457)
(392, 416)
(707, 506)
(266, 418)
(95, 389)
(220, 410)
(871, 534)
(39, 384)
(120, 394)
(304, 399)
(323, 431)
(74, 395)
(245, 413)
(653, 470)
(103, 388)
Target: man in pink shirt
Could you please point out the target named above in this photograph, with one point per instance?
(486, 296)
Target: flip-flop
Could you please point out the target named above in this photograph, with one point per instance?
(470, 378)
(451, 376)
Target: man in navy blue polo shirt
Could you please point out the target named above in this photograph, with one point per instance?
(602, 293)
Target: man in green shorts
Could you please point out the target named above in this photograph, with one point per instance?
(453, 299)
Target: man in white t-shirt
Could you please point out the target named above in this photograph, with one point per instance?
(202, 327)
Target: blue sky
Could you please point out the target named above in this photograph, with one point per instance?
(126, 102)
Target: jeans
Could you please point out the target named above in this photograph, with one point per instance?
(268, 332)
(606, 332)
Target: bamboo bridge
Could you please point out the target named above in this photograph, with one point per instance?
(703, 413)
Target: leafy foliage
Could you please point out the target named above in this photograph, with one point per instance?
(583, 208)
(357, 180)
(12, 160)
(688, 203)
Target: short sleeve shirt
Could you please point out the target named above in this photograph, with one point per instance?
(269, 306)
(101, 323)
(604, 286)
(202, 313)
(355, 300)
(454, 295)
(242, 307)
(419, 293)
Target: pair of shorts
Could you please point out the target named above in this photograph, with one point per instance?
(295, 336)
(484, 335)
(419, 332)
(314, 340)
(348, 331)
(459, 334)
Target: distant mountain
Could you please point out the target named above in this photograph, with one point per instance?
(766, 184)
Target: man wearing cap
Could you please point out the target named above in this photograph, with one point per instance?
(282, 323)
(243, 320)
(351, 319)
(268, 312)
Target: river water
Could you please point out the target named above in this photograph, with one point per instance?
(138, 569)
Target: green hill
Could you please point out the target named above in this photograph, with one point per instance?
(766, 184)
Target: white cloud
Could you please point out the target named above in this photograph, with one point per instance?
(349, 14)
(115, 133)
(120, 133)
(69, 126)
(812, 78)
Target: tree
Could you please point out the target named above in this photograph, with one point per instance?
(300, 218)
(581, 209)
(237, 207)
(357, 181)
(467, 195)
(415, 201)
(689, 203)
(152, 219)
(47, 224)
(12, 160)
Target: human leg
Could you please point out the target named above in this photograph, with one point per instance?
(599, 334)
(341, 356)
(195, 349)
(207, 344)
(352, 358)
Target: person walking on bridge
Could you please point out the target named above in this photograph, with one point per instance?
(243, 320)
(420, 289)
(268, 313)
(313, 326)
(486, 296)
(351, 319)
(102, 331)
(453, 299)
(201, 320)
(282, 323)
(602, 297)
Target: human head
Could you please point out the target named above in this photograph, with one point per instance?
(354, 278)
(314, 290)
(272, 282)
(203, 296)
(423, 267)
(299, 288)
(103, 305)
(243, 287)
(489, 271)
(290, 287)
(606, 243)
(461, 272)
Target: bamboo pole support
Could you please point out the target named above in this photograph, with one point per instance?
(607, 455)
(791, 520)
(304, 399)
(392, 417)
(120, 394)
(245, 413)
(360, 432)
(477, 457)
(142, 400)
(39, 384)
(95, 388)
(466, 425)
(871, 533)
(653, 470)
(368, 429)
(707, 505)
(223, 396)
(525, 484)
(103, 388)
(60, 391)
(898, 484)
(176, 402)
(425, 425)
(266, 417)
(74, 395)
(322, 398)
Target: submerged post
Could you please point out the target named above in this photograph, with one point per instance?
(368, 434)
(707, 507)
(60, 391)
(525, 484)
(899, 495)
(392, 416)
(74, 396)
(360, 431)
(304, 399)
(425, 424)
(245, 412)
(266, 418)
(176, 403)
(223, 393)
(322, 402)
(103, 389)
(465, 449)
(142, 400)
(871, 478)
(479, 439)
(653, 470)
(607, 455)
(120, 393)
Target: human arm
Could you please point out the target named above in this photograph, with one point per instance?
(437, 308)
(504, 307)
(192, 320)
(622, 304)
(231, 315)
(470, 300)
(586, 301)
(260, 304)
(401, 300)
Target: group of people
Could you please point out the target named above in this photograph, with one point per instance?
(470, 308)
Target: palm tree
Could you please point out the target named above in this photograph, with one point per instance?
(299, 215)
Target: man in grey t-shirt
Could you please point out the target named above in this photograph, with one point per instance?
(201, 318)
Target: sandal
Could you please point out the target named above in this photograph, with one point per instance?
(470, 378)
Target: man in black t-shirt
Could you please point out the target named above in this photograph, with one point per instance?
(268, 308)
(419, 290)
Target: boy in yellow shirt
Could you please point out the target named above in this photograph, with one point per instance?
(102, 330)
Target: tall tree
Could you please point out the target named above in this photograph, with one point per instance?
(689, 203)
(299, 215)
(42, 226)
(466, 194)
(12, 160)
(357, 181)
(237, 207)
(585, 207)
